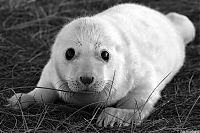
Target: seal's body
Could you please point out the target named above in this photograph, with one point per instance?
(122, 57)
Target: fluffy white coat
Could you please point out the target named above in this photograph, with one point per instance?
(146, 49)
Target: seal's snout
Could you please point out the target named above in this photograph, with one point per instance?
(87, 80)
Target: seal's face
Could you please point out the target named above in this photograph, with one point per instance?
(86, 60)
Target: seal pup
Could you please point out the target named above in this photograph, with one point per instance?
(124, 55)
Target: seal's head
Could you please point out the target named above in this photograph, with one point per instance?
(89, 62)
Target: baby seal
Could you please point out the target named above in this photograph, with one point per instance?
(121, 58)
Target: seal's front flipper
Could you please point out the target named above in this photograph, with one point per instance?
(43, 93)
(120, 117)
(20, 100)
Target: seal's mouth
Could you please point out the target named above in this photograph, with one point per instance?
(100, 93)
(75, 86)
(90, 91)
(87, 92)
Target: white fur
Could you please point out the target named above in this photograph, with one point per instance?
(145, 47)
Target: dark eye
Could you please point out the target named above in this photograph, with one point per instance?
(70, 53)
(105, 55)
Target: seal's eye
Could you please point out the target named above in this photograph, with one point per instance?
(105, 55)
(70, 53)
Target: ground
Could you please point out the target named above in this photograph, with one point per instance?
(27, 31)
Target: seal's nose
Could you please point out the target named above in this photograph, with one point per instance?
(86, 80)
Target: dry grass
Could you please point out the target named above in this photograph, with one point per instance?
(27, 30)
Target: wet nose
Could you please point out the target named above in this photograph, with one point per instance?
(86, 80)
